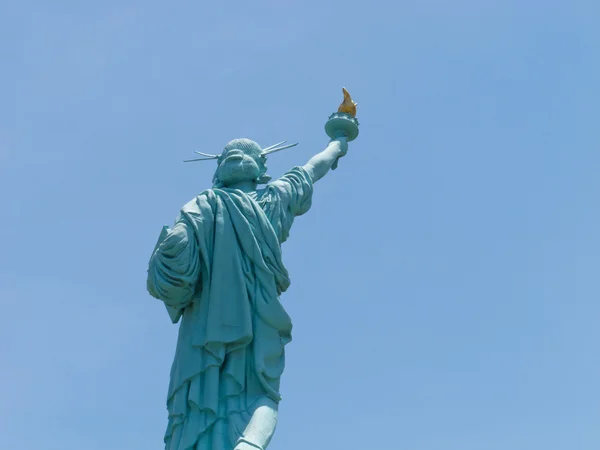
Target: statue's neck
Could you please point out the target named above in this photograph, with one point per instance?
(244, 186)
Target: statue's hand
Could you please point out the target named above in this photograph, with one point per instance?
(342, 144)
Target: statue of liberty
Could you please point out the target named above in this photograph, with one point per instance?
(219, 271)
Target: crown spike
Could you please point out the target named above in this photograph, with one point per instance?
(273, 146)
(199, 159)
(208, 155)
(277, 149)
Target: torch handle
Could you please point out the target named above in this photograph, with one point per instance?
(339, 134)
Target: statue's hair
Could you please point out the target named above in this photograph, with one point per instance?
(249, 147)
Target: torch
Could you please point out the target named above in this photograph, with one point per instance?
(343, 123)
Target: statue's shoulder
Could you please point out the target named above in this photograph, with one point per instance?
(203, 197)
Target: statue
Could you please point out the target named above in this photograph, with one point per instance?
(219, 270)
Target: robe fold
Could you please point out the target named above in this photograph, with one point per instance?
(219, 270)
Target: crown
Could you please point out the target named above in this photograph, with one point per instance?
(264, 152)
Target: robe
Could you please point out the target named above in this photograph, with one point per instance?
(219, 269)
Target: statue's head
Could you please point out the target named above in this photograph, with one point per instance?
(241, 160)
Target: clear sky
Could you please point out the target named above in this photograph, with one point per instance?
(445, 284)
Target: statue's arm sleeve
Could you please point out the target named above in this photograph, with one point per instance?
(174, 268)
(295, 190)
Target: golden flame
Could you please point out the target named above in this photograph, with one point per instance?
(348, 106)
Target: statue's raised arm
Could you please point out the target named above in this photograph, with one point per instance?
(322, 162)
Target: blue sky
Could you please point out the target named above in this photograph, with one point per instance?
(445, 283)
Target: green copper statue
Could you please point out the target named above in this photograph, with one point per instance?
(219, 270)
